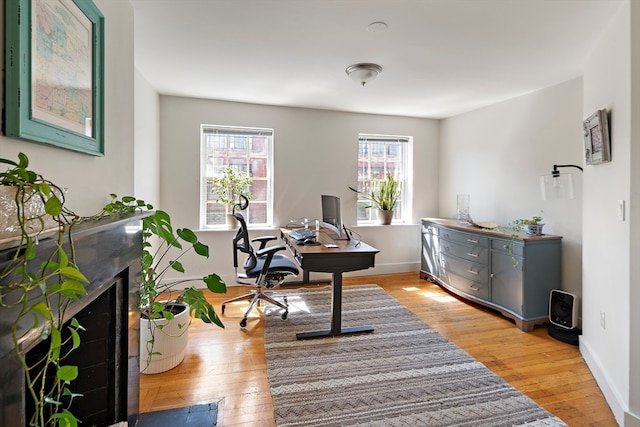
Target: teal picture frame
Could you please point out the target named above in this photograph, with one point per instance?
(54, 73)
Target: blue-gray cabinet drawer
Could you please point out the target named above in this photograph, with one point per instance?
(470, 287)
(476, 253)
(464, 238)
(462, 267)
(512, 247)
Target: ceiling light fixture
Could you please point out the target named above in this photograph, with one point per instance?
(363, 73)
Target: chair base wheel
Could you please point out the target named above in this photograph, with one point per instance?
(243, 323)
(284, 315)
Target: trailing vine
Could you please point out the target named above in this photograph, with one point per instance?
(40, 295)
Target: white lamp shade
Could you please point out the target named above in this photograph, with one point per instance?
(556, 187)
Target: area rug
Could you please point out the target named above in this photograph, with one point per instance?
(402, 374)
(205, 415)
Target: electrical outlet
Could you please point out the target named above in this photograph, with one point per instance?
(602, 320)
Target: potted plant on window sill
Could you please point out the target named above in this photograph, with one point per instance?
(384, 197)
(228, 187)
(165, 307)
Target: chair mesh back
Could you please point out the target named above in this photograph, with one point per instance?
(242, 243)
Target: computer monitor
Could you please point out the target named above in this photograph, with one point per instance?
(332, 217)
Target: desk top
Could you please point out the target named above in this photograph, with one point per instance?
(348, 256)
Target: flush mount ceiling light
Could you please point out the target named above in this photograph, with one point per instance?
(363, 73)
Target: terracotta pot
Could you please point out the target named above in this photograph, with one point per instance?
(169, 341)
(385, 217)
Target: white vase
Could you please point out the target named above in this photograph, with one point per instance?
(34, 209)
(169, 341)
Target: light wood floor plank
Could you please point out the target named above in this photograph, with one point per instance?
(228, 365)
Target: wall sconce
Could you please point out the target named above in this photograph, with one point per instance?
(557, 186)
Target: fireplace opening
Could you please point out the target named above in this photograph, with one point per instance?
(101, 359)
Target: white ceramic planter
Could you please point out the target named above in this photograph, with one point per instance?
(170, 342)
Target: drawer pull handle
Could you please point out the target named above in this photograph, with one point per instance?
(473, 255)
(446, 248)
(472, 241)
(505, 247)
(493, 276)
(473, 272)
(473, 288)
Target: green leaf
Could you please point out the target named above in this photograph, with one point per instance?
(201, 249)
(75, 336)
(73, 273)
(42, 309)
(67, 373)
(64, 418)
(215, 283)
(187, 235)
(72, 289)
(177, 266)
(55, 343)
(53, 206)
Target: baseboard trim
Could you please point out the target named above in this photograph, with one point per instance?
(614, 401)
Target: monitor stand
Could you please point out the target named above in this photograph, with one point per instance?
(342, 236)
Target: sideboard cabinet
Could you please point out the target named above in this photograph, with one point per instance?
(511, 274)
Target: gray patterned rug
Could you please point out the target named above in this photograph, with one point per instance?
(403, 374)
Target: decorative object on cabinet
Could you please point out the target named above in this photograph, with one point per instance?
(383, 196)
(477, 265)
(54, 62)
(597, 146)
(531, 225)
(556, 185)
(462, 209)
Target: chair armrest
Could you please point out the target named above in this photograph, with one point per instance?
(270, 250)
(263, 240)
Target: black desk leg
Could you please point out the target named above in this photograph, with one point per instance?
(336, 316)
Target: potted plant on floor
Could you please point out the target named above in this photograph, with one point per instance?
(383, 196)
(166, 307)
(228, 187)
(40, 295)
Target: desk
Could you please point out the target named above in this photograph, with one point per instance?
(346, 257)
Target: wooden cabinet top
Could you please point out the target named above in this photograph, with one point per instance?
(501, 232)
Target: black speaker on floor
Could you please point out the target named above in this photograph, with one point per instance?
(563, 309)
(563, 315)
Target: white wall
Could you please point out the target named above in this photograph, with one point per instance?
(496, 154)
(315, 153)
(90, 179)
(609, 272)
(147, 146)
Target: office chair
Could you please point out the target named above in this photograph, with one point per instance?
(263, 268)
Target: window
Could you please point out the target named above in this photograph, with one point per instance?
(248, 150)
(377, 156)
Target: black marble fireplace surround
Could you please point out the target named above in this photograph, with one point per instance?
(108, 253)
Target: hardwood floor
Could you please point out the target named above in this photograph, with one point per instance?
(228, 365)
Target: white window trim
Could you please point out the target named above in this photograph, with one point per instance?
(407, 187)
(203, 179)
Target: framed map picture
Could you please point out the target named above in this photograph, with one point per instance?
(597, 148)
(54, 62)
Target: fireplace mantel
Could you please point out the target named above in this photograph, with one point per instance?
(108, 253)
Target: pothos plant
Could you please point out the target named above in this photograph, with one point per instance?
(163, 247)
(41, 294)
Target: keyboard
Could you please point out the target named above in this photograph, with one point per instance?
(299, 234)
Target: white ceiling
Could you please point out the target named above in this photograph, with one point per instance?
(439, 57)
